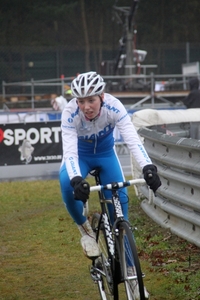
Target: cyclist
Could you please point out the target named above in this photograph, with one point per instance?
(87, 125)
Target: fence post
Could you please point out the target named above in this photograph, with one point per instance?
(62, 77)
(152, 89)
(3, 90)
(187, 52)
(32, 94)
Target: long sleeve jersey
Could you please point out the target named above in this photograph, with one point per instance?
(82, 137)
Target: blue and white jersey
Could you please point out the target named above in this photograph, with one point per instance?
(82, 137)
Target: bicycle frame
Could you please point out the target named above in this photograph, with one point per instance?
(114, 272)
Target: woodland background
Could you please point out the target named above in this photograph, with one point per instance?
(44, 39)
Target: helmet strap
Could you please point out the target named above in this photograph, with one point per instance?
(101, 101)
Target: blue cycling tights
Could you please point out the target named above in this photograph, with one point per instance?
(110, 171)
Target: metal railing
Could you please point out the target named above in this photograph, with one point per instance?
(143, 87)
(177, 204)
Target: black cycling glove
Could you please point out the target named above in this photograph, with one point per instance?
(81, 188)
(151, 177)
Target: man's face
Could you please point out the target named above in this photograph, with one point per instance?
(90, 106)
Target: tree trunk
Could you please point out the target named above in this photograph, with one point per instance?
(100, 40)
(85, 31)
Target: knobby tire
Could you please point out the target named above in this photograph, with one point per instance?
(107, 285)
(129, 262)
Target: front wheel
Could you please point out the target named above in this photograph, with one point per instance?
(103, 265)
(129, 263)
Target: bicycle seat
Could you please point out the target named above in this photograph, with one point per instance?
(95, 172)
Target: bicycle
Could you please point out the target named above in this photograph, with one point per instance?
(119, 262)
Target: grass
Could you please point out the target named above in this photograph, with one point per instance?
(41, 256)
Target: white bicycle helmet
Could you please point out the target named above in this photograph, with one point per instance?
(87, 84)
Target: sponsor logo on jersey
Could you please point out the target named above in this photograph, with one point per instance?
(100, 134)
